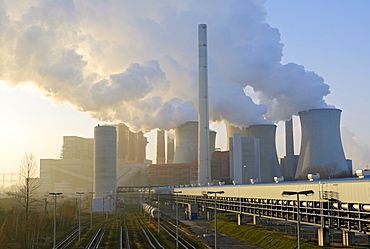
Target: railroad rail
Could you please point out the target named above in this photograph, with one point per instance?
(68, 240)
(151, 238)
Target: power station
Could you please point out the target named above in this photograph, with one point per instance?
(190, 156)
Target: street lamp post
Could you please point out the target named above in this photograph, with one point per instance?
(177, 219)
(298, 193)
(92, 206)
(79, 217)
(244, 174)
(55, 217)
(215, 193)
(158, 213)
(103, 208)
(108, 206)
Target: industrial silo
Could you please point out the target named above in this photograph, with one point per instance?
(105, 176)
(269, 166)
(321, 144)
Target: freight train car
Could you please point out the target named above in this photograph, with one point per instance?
(149, 209)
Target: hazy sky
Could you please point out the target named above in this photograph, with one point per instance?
(79, 56)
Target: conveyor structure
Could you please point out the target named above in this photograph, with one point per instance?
(336, 204)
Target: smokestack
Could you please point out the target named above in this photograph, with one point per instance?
(204, 165)
(160, 147)
(132, 147)
(289, 143)
(321, 146)
(170, 148)
(122, 143)
(289, 162)
(105, 176)
(141, 147)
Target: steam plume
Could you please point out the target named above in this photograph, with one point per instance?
(136, 61)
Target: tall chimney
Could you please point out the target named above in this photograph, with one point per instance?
(160, 147)
(289, 143)
(170, 148)
(204, 168)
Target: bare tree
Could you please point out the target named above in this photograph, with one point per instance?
(26, 194)
(3, 239)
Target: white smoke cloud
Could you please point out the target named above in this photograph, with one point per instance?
(358, 152)
(136, 62)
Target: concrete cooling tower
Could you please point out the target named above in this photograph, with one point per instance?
(269, 163)
(321, 145)
(105, 176)
(231, 130)
(186, 148)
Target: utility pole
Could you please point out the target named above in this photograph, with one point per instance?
(55, 217)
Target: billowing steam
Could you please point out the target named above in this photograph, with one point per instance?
(136, 61)
(358, 152)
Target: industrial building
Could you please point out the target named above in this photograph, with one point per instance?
(252, 156)
(245, 158)
(220, 167)
(255, 148)
(175, 174)
(73, 171)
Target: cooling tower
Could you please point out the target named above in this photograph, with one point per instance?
(321, 145)
(105, 176)
(186, 143)
(269, 166)
(186, 137)
(231, 130)
(160, 147)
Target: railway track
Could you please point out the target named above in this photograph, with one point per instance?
(148, 234)
(124, 235)
(106, 235)
(68, 240)
(129, 230)
(184, 243)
